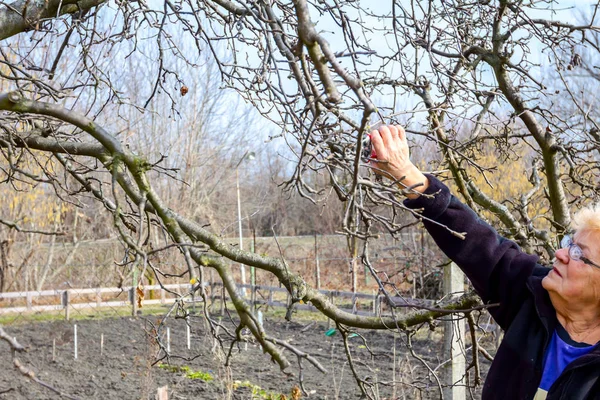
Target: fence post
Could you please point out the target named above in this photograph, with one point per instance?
(332, 302)
(212, 294)
(65, 303)
(454, 334)
(29, 300)
(222, 309)
(133, 301)
(375, 302)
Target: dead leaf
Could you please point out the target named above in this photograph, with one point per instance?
(140, 295)
(296, 393)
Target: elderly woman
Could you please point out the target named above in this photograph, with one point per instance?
(551, 317)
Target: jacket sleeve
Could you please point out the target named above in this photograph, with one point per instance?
(496, 266)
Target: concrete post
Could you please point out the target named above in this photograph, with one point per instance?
(454, 335)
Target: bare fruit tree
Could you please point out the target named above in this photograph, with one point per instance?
(479, 85)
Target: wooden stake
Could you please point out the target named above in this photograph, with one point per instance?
(162, 393)
(101, 344)
(75, 341)
(215, 341)
(260, 321)
(394, 370)
(189, 344)
(168, 340)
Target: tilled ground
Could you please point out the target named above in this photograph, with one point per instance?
(125, 368)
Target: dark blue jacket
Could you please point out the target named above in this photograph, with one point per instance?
(502, 273)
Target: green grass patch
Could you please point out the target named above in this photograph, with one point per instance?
(274, 313)
(189, 373)
(257, 391)
(77, 315)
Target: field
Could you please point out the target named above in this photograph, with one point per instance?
(126, 366)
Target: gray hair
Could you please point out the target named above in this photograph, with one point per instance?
(587, 218)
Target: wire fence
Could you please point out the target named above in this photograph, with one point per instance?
(87, 278)
(134, 298)
(123, 300)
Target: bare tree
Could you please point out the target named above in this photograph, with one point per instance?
(463, 77)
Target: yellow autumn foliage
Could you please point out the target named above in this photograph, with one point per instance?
(506, 179)
(29, 203)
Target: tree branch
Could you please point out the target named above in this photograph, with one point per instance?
(25, 15)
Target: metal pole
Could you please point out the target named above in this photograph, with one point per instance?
(239, 209)
(317, 267)
(134, 303)
(253, 250)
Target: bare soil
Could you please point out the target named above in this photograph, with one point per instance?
(125, 368)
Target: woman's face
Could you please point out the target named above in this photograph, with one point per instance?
(574, 281)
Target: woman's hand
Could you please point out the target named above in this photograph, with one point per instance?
(392, 158)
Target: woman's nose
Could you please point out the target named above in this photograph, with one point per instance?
(562, 255)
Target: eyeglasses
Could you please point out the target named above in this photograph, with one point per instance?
(575, 252)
